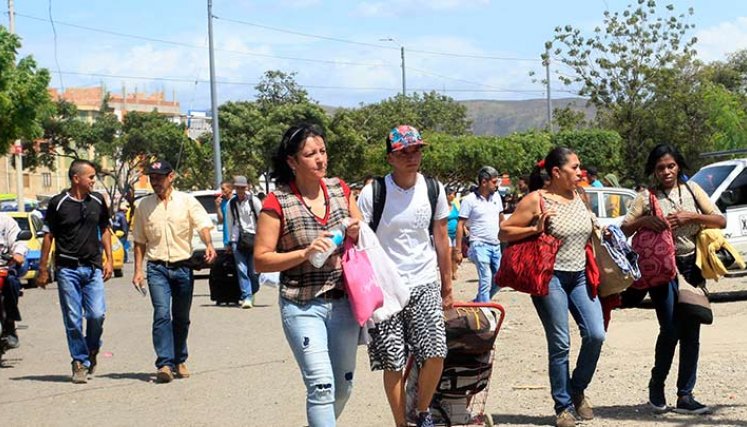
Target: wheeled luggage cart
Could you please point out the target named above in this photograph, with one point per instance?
(462, 392)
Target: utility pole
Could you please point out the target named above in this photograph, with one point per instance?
(214, 101)
(404, 89)
(17, 148)
(402, 55)
(549, 97)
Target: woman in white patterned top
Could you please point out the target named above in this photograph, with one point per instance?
(567, 218)
(687, 209)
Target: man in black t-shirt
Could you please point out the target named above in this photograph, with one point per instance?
(75, 219)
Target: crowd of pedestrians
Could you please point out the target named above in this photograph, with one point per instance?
(421, 226)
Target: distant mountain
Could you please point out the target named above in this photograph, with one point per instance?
(505, 117)
(491, 117)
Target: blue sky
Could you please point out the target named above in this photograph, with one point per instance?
(340, 74)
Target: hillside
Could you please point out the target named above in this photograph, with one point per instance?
(504, 117)
(491, 117)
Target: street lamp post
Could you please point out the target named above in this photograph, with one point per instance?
(402, 55)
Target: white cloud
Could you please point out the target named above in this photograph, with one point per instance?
(396, 7)
(716, 42)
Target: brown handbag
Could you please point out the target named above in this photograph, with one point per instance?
(693, 304)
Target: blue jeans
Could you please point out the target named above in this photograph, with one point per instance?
(82, 295)
(568, 291)
(171, 295)
(323, 336)
(248, 278)
(671, 331)
(487, 259)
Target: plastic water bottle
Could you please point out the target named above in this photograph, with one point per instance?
(317, 259)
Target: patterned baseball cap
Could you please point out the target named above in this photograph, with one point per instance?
(160, 167)
(403, 136)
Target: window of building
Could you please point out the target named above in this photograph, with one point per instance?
(46, 179)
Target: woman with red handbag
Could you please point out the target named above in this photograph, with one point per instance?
(679, 213)
(567, 219)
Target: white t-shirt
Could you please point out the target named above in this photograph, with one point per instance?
(403, 229)
(482, 217)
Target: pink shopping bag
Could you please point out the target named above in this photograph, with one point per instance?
(360, 283)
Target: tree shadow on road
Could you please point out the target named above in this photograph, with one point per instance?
(44, 378)
(640, 412)
(139, 376)
(517, 419)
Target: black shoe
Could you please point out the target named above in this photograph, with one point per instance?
(688, 405)
(656, 398)
(92, 358)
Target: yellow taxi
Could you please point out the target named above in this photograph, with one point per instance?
(34, 223)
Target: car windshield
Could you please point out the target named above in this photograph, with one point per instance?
(23, 223)
(709, 179)
(208, 202)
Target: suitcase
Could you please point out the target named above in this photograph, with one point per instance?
(223, 281)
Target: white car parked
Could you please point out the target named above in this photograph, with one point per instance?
(207, 200)
(610, 204)
(726, 184)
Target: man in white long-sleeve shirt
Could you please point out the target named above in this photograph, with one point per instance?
(242, 213)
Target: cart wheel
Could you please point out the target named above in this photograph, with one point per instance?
(489, 420)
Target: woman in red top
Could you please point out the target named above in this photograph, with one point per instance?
(295, 222)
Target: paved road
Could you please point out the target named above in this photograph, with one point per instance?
(244, 373)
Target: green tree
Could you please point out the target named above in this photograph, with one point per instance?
(24, 100)
(142, 138)
(568, 118)
(626, 67)
(251, 131)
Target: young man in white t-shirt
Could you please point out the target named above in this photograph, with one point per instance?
(404, 233)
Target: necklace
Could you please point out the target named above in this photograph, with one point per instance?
(308, 206)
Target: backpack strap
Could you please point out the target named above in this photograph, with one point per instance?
(433, 193)
(233, 205)
(378, 190)
(254, 210)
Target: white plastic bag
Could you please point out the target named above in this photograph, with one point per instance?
(396, 293)
(269, 279)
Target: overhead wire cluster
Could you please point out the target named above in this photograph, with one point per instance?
(478, 87)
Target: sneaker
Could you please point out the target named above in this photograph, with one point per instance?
(247, 303)
(425, 420)
(164, 374)
(583, 407)
(80, 373)
(656, 398)
(92, 358)
(565, 419)
(11, 341)
(182, 371)
(688, 405)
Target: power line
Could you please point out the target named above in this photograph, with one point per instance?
(428, 73)
(193, 46)
(359, 43)
(54, 33)
(244, 83)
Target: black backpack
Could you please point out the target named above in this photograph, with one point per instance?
(378, 188)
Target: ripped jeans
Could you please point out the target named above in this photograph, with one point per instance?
(323, 336)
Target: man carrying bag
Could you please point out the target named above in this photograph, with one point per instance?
(243, 210)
